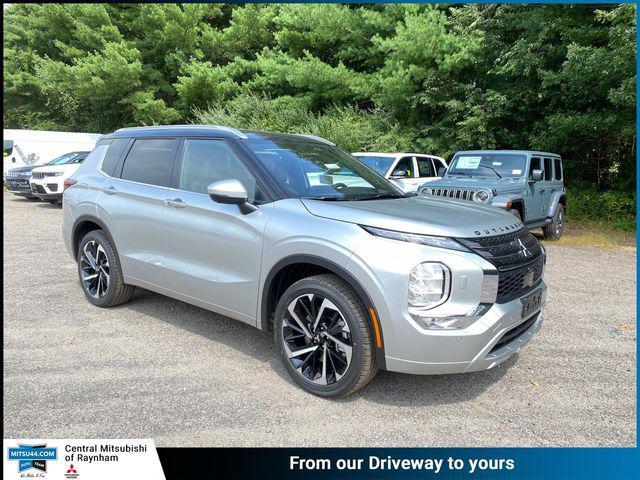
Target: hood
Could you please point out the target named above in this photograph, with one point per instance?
(419, 215)
(72, 167)
(500, 185)
(26, 169)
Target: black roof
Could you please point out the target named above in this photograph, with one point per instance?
(204, 131)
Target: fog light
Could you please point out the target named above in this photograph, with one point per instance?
(428, 286)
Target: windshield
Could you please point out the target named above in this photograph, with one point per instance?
(62, 159)
(379, 164)
(488, 165)
(314, 170)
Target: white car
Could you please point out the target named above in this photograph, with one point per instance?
(47, 182)
(407, 170)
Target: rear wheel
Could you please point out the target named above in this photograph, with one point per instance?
(100, 273)
(324, 337)
(553, 231)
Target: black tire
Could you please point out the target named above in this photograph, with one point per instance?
(32, 198)
(361, 367)
(515, 212)
(116, 292)
(553, 231)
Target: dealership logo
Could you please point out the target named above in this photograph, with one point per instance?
(32, 456)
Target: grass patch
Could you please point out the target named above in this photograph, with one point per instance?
(593, 234)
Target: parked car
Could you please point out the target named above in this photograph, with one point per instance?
(17, 179)
(407, 170)
(351, 278)
(23, 148)
(527, 184)
(47, 182)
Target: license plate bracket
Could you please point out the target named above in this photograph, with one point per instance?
(531, 302)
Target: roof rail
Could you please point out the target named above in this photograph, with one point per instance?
(234, 131)
(315, 137)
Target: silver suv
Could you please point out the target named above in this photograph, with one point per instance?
(292, 234)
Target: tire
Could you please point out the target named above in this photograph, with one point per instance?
(515, 213)
(343, 318)
(553, 231)
(106, 288)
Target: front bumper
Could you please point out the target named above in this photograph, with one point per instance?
(19, 187)
(491, 340)
(48, 188)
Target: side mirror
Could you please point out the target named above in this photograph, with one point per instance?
(536, 176)
(399, 174)
(231, 192)
(442, 171)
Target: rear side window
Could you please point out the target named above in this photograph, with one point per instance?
(548, 173)
(425, 168)
(438, 164)
(150, 161)
(557, 168)
(116, 148)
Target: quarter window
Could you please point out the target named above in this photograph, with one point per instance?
(208, 161)
(425, 167)
(557, 168)
(150, 161)
(548, 172)
(116, 148)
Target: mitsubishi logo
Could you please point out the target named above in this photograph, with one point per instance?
(524, 251)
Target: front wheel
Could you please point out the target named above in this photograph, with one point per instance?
(100, 272)
(324, 336)
(553, 231)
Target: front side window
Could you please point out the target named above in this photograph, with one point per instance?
(557, 168)
(425, 167)
(379, 164)
(208, 161)
(505, 165)
(305, 169)
(150, 161)
(404, 168)
(536, 164)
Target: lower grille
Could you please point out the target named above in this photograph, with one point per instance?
(53, 187)
(37, 188)
(515, 332)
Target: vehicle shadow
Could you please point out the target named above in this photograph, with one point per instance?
(388, 388)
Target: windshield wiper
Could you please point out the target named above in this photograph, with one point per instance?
(379, 196)
(327, 198)
(492, 169)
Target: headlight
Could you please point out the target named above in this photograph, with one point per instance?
(428, 286)
(481, 196)
(426, 191)
(54, 174)
(442, 242)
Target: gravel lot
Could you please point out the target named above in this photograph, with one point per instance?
(160, 368)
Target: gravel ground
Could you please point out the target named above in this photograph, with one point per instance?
(160, 368)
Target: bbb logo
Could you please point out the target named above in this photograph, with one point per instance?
(32, 456)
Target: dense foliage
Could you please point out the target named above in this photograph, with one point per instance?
(433, 78)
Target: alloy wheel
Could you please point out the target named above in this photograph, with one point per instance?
(317, 339)
(94, 267)
(559, 223)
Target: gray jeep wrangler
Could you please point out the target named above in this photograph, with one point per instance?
(526, 183)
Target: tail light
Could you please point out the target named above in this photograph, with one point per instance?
(68, 182)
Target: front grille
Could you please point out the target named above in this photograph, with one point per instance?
(515, 332)
(515, 283)
(517, 256)
(37, 175)
(460, 193)
(506, 251)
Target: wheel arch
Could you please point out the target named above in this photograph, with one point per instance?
(290, 269)
(85, 224)
(518, 204)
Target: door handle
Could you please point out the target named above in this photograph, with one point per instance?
(175, 203)
(542, 190)
(110, 190)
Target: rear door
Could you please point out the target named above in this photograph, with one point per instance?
(131, 203)
(547, 185)
(213, 251)
(426, 170)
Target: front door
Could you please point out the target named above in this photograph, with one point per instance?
(404, 175)
(212, 250)
(534, 208)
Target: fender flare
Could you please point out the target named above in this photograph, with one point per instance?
(343, 273)
(89, 218)
(555, 200)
